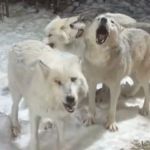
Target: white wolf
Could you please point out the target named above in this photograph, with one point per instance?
(112, 53)
(51, 81)
(60, 34)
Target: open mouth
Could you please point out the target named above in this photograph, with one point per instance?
(101, 34)
(69, 108)
(79, 33)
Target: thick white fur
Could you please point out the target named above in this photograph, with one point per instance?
(77, 46)
(121, 18)
(43, 77)
(125, 52)
(63, 37)
(59, 33)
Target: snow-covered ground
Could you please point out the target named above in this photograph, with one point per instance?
(25, 24)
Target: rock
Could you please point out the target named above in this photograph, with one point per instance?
(89, 1)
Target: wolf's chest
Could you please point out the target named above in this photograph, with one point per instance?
(46, 110)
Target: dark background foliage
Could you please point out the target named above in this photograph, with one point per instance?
(139, 9)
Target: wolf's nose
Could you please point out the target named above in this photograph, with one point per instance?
(70, 100)
(103, 20)
(71, 26)
(51, 45)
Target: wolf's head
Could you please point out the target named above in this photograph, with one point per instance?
(64, 79)
(59, 32)
(107, 30)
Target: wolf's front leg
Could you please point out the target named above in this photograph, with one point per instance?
(114, 95)
(60, 135)
(92, 107)
(34, 142)
(14, 112)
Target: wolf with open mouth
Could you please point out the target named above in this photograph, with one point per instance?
(102, 32)
(122, 52)
(51, 82)
(113, 52)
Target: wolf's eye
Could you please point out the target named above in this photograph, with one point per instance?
(112, 21)
(49, 35)
(58, 82)
(73, 79)
(51, 45)
(71, 26)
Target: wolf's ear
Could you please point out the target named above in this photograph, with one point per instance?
(81, 18)
(57, 17)
(45, 69)
(121, 28)
(84, 87)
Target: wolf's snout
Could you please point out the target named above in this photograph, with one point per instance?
(103, 20)
(70, 100)
(51, 45)
(69, 104)
(102, 31)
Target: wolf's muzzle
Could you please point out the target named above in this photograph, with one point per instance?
(102, 32)
(70, 104)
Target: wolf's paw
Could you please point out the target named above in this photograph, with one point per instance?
(15, 131)
(112, 126)
(89, 120)
(144, 111)
(47, 124)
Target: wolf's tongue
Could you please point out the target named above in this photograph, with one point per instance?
(102, 37)
(101, 34)
(69, 108)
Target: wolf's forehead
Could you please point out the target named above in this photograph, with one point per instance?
(55, 25)
(64, 75)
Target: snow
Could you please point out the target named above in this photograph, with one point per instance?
(25, 24)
